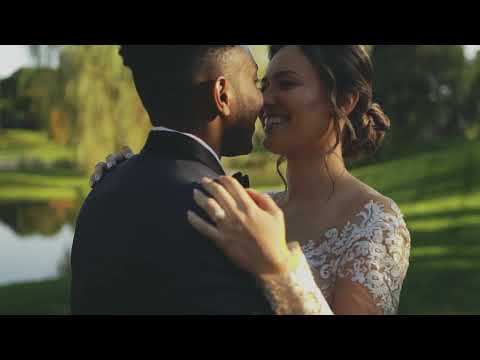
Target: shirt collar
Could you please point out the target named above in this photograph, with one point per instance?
(196, 138)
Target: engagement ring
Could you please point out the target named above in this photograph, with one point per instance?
(219, 215)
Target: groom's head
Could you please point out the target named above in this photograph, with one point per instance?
(209, 90)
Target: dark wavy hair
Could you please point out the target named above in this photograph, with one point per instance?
(346, 70)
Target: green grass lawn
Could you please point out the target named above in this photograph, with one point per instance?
(40, 183)
(27, 144)
(438, 189)
(50, 297)
(37, 186)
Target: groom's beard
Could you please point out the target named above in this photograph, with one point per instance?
(238, 139)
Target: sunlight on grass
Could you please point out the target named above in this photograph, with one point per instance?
(15, 137)
(441, 223)
(25, 145)
(22, 193)
(47, 180)
(444, 204)
(430, 251)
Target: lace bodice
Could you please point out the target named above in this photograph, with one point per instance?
(363, 264)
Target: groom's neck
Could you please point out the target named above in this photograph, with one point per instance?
(212, 134)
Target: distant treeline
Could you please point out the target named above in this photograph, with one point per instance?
(429, 92)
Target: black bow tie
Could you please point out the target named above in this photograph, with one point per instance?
(242, 179)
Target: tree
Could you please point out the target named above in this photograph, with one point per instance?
(28, 96)
(472, 103)
(102, 102)
(422, 88)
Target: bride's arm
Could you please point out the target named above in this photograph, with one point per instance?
(295, 292)
(370, 267)
(373, 264)
(250, 230)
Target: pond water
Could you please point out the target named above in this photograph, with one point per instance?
(35, 240)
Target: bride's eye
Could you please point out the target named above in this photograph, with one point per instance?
(285, 84)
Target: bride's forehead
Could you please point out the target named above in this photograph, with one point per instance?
(289, 55)
(288, 59)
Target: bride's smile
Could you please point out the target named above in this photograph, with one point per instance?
(296, 112)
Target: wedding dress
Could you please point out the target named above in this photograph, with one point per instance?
(368, 256)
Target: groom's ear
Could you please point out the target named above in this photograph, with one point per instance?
(222, 96)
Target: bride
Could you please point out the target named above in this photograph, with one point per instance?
(328, 244)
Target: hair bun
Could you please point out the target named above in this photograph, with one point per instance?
(378, 120)
(370, 133)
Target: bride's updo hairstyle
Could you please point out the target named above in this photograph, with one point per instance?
(347, 70)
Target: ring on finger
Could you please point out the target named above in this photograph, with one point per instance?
(219, 215)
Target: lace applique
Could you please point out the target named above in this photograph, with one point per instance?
(372, 251)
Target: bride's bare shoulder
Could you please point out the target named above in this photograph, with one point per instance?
(363, 194)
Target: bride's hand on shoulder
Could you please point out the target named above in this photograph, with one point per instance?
(110, 163)
(250, 227)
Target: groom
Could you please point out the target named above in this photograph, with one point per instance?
(134, 251)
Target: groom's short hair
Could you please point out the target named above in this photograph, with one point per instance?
(164, 74)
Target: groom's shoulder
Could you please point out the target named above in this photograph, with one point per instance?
(141, 177)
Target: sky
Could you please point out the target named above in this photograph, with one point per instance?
(13, 57)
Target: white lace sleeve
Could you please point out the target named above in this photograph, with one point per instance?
(374, 261)
(296, 293)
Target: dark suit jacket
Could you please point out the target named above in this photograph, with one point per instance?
(134, 251)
